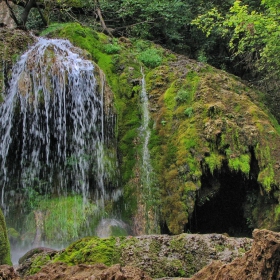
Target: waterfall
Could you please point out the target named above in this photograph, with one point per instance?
(53, 134)
(145, 133)
(149, 191)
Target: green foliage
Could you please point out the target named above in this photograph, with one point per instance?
(150, 58)
(187, 92)
(112, 48)
(154, 19)
(252, 35)
(188, 112)
(202, 56)
(182, 96)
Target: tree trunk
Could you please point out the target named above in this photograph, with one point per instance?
(24, 16)
(105, 28)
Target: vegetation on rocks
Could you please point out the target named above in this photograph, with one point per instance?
(5, 256)
(196, 133)
(157, 255)
(211, 136)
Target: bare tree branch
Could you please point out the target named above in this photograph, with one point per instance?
(105, 28)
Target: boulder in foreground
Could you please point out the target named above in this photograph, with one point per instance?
(261, 262)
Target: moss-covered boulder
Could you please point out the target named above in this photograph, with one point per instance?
(5, 256)
(157, 255)
(213, 145)
(212, 140)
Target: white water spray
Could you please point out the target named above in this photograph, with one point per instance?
(145, 133)
(52, 134)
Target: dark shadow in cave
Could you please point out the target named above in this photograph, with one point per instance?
(220, 204)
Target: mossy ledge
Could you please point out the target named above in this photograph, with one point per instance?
(157, 255)
(206, 125)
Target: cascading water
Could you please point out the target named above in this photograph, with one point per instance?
(148, 183)
(145, 133)
(54, 132)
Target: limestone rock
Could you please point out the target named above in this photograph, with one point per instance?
(8, 273)
(157, 255)
(5, 18)
(93, 272)
(261, 262)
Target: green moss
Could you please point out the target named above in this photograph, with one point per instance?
(220, 248)
(266, 178)
(38, 262)
(150, 57)
(193, 124)
(64, 218)
(214, 161)
(90, 251)
(112, 48)
(188, 112)
(5, 256)
(241, 163)
(187, 92)
(277, 210)
(155, 247)
(169, 97)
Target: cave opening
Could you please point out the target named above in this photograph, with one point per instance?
(220, 203)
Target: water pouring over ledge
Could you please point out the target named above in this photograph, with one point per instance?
(56, 138)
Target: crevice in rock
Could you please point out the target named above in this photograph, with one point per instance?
(221, 201)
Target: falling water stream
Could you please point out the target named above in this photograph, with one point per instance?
(145, 133)
(52, 135)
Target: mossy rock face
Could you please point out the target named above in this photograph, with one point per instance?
(5, 256)
(12, 44)
(157, 255)
(204, 122)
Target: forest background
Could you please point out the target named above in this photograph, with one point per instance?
(240, 37)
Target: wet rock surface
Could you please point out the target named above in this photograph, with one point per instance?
(261, 262)
(8, 273)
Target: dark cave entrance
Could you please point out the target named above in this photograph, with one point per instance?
(220, 204)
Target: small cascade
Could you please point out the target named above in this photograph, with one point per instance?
(148, 192)
(53, 140)
(145, 133)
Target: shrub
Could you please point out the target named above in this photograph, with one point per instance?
(150, 58)
(182, 96)
(112, 48)
(189, 112)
